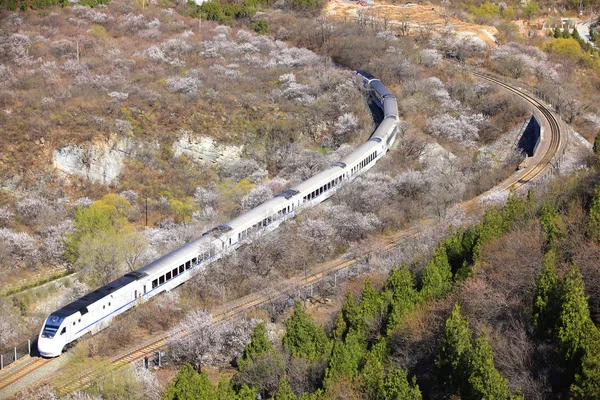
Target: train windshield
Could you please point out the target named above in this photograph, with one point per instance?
(52, 324)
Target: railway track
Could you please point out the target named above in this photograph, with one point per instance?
(555, 146)
(535, 172)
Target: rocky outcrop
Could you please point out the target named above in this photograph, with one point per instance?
(97, 162)
(203, 149)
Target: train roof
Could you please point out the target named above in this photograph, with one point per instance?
(319, 179)
(258, 213)
(180, 256)
(81, 304)
(360, 153)
(380, 88)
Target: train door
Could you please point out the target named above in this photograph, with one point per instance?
(135, 294)
(144, 289)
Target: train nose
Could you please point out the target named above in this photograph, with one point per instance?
(49, 347)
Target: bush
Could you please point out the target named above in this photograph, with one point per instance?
(261, 27)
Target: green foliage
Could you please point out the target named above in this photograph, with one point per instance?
(485, 382)
(594, 215)
(371, 303)
(553, 225)
(566, 33)
(303, 337)
(225, 389)
(597, 143)
(402, 295)
(437, 274)
(372, 376)
(574, 323)
(546, 294)
(485, 13)
(189, 384)
(531, 9)
(346, 357)
(304, 4)
(397, 387)
(284, 390)
(261, 27)
(593, 35)
(351, 313)
(557, 33)
(259, 344)
(452, 363)
(247, 393)
(567, 48)
(587, 380)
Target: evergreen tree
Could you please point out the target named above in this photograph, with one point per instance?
(284, 390)
(597, 143)
(545, 300)
(453, 361)
(351, 313)
(397, 387)
(246, 393)
(485, 382)
(189, 385)
(225, 389)
(565, 33)
(371, 302)
(552, 223)
(574, 323)
(339, 329)
(557, 33)
(587, 380)
(259, 344)
(437, 274)
(303, 337)
(594, 217)
(372, 377)
(346, 357)
(401, 294)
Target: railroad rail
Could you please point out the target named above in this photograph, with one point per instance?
(546, 159)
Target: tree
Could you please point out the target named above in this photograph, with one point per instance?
(546, 294)
(261, 27)
(597, 143)
(346, 357)
(189, 385)
(284, 390)
(594, 215)
(351, 313)
(225, 389)
(397, 387)
(200, 343)
(303, 337)
(485, 382)
(531, 9)
(259, 344)
(400, 289)
(552, 223)
(452, 362)
(566, 33)
(587, 380)
(574, 323)
(557, 33)
(437, 274)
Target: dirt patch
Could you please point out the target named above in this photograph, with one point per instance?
(416, 16)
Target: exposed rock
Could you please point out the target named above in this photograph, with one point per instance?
(204, 149)
(97, 162)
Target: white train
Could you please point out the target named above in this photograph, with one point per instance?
(95, 310)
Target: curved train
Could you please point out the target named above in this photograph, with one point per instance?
(95, 310)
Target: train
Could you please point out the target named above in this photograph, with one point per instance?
(95, 311)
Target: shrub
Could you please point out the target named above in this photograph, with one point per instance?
(261, 27)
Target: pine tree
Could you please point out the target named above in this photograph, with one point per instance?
(397, 387)
(552, 223)
(545, 300)
(597, 143)
(437, 274)
(225, 389)
(557, 33)
(587, 380)
(452, 363)
(284, 390)
(346, 357)
(339, 329)
(351, 313)
(303, 337)
(565, 33)
(189, 385)
(594, 217)
(259, 344)
(485, 382)
(574, 323)
(371, 302)
(372, 377)
(246, 393)
(401, 294)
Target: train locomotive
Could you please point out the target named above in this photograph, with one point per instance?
(95, 310)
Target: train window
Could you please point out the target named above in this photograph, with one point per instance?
(188, 264)
(175, 272)
(168, 275)
(73, 323)
(154, 283)
(109, 304)
(194, 261)
(104, 307)
(63, 330)
(161, 280)
(230, 241)
(79, 321)
(182, 268)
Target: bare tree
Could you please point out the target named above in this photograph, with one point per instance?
(195, 340)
